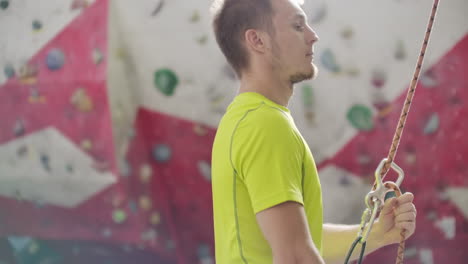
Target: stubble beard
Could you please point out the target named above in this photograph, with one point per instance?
(302, 76)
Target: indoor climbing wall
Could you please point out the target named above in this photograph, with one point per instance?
(59, 175)
(108, 110)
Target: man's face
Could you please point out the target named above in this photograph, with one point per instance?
(293, 40)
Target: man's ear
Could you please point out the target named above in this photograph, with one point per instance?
(256, 40)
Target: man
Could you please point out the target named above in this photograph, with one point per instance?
(266, 192)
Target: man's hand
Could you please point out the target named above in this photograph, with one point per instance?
(397, 214)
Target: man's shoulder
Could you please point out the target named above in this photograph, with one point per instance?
(264, 114)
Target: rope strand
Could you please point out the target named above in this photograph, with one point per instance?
(402, 121)
(410, 95)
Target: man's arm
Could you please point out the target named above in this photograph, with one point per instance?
(397, 214)
(287, 232)
(337, 240)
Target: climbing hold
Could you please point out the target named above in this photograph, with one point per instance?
(81, 100)
(4, 4)
(329, 61)
(429, 80)
(195, 17)
(202, 39)
(381, 104)
(27, 73)
(344, 180)
(69, 168)
(426, 256)
(432, 124)
(132, 205)
(360, 117)
(79, 4)
(200, 130)
(363, 158)
(145, 173)
(37, 25)
(55, 59)
(400, 52)
(155, 218)
(410, 157)
(86, 144)
(45, 160)
(308, 100)
(22, 151)
(19, 129)
(125, 168)
(162, 153)
(9, 71)
(347, 32)
(158, 8)
(308, 95)
(97, 56)
(203, 251)
(106, 232)
(36, 97)
(411, 252)
(378, 78)
(145, 203)
(352, 71)
(448, 226)
(119, 216)
(205, 169)
(166, 81)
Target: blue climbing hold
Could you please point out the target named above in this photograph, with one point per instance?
(9, 71)
(162, 153)
(328, 60)
(432, 124)
(203, 251)
(55, 59)
(37, 25)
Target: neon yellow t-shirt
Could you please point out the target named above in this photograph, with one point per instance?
(259, 160)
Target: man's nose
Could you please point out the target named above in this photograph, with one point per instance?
(314, 37)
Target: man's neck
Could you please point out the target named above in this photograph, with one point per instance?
(268, 85)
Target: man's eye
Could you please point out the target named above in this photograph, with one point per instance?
(299, 27)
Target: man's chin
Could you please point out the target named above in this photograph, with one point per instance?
(315, 72)
(302, 76)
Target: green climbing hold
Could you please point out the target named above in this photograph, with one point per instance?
(166, 81)
(308, 95)
(360, 117)
(4, 4)
(119, 216)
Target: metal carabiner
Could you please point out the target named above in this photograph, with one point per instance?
(380, 190)
(375, 199)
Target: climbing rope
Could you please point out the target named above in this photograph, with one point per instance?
(375, 198)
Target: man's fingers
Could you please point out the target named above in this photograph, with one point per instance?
(405, 217)
(405, 198)
(408, 226)
(404, 208)
(388, 206)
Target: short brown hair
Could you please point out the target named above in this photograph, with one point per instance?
(231, 19)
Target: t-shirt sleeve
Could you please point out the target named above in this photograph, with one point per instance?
(268, 155)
